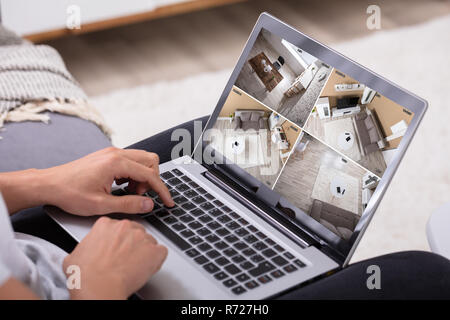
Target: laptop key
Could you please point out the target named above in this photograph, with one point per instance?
(240, 245)
(241, 232)
(229, 283)
(167, 175)
(224, 218)
(162, 213)
(174, 193)
(178, 226)
(177, 212)
(243, 222)
(204, 247)
(211, 267)
(220, 275)
(238, 259)
(277, 274)
(252, 229)
(188, 206)
(221, 245)
(252, 284)
(170, 220)
(261, 235)
(177, 172)
(212, 238)
(205, 218)
(222, 261)
(230, 252)
(234, 215)
(299, 263)
(195, 240)
(250, 239)
(198, 199)
(231, 238)
(280, 261)
(262, 268)
(207, 206)
(226, 209)
(238, 290)
(186, 218)
(203, 232)
(278, 248)
(215, 212)
(247, 265)
(257, 258)
(222, 232)
(191, 194)
(195, 225)
(289, 255)
(213, 254)
(249, 252)
(201, 260)
(218, 203)
(289, 268)
(213, 225)
(192, 253)
(208, 196)
(168, 233)
(182, 187)
(186, 179)
(179, 200)
(174, 181)
(193, 184)
(264, 279)
(232, 269)
(201, 190)
(242, 277)
(187, 233)
(232, 225)
(270, 242)
(197, 212)
(269, 253)
(260, 246)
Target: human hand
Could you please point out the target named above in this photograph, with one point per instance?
(116, 258)
(83, 186)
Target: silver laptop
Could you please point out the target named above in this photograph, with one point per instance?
(286, 176)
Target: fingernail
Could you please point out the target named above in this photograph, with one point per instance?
(147, 205)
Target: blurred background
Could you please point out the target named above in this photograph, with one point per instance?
(149, 65)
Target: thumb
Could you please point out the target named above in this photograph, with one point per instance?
(128, 204)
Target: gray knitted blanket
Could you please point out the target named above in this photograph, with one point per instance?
(34, 79)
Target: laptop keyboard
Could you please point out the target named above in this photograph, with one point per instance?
(226, 245)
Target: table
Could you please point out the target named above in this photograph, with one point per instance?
(346, 140)
(265, 71)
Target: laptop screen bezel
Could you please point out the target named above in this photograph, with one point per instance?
(361, 74)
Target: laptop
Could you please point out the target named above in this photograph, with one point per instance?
(285, 178)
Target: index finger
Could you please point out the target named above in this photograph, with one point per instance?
(140, 173)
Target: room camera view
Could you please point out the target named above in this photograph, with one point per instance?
(316, 136)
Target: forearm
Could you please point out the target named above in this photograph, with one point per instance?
(24, 189)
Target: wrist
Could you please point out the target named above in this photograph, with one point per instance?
(24, 189)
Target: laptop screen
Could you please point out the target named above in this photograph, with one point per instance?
(314, 135)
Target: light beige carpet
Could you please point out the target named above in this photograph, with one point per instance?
(415, 57)
(335, 128)
(321, 190)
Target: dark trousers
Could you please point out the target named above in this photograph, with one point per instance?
(403, 275)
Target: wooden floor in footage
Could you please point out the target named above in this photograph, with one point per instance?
(210, 40)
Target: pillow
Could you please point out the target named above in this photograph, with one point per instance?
(255, 116)
(245, 116)
(369, 123)
(345, 233)
(329, 226)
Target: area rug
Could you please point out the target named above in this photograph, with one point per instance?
(335, 128)
(414, 57)
(321, 190)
